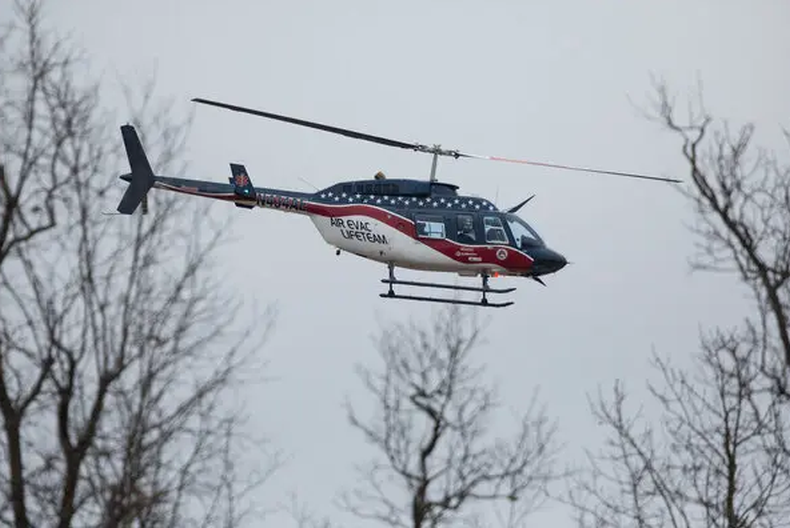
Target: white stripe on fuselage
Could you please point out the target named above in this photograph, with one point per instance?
(373, 239)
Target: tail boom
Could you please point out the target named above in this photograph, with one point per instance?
(239, 190)
(287, 201)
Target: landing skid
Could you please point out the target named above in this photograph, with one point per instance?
(448, 286)
(485, 289)
(484, 302)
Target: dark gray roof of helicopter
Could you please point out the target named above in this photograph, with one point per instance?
(395, 187)
(407, 194)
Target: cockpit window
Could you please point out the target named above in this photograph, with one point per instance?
(495, 233)
(524, 235)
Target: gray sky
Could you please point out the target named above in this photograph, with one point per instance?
(553, 81)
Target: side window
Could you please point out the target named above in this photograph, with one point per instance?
(430, 226)
(465, 225)
(495, 233)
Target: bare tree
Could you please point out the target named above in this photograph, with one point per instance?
(741, 196)
(718, 454)
(301, 515)
(713, 458)
(440, 461)
(118, 343)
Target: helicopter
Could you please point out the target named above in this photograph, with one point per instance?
(416, 224)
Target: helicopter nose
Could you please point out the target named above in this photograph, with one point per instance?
(549, 261)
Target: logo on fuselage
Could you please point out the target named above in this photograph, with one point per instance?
(357, 230)
(242, 180)
(501, 253)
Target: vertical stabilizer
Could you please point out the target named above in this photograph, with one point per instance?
(142, 177)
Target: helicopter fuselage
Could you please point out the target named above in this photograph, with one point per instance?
(413, 224)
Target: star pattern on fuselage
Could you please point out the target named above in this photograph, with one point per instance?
(463, 203)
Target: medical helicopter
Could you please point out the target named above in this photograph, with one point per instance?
(414, 224)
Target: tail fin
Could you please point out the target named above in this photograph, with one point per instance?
(142, 177)
(242, 185)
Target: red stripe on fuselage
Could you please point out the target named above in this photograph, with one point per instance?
(513, 259)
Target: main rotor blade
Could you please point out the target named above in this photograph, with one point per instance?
(326, 128)
(418, 147)
(572, 168)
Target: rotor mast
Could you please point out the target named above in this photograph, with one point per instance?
(436, 150)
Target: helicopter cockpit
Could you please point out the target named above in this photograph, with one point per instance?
(524, 235)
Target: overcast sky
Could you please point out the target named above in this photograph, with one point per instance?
(553, 81)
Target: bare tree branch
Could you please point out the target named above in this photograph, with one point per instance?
(718, 455)
(118, 343)
(432, 431)
(714, 461)
(301, 515)
(741, 196)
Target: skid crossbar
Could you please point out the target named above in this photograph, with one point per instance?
(484, 289)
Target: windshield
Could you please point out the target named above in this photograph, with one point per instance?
(523, 234)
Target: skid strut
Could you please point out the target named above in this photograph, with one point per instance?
(484, 290)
